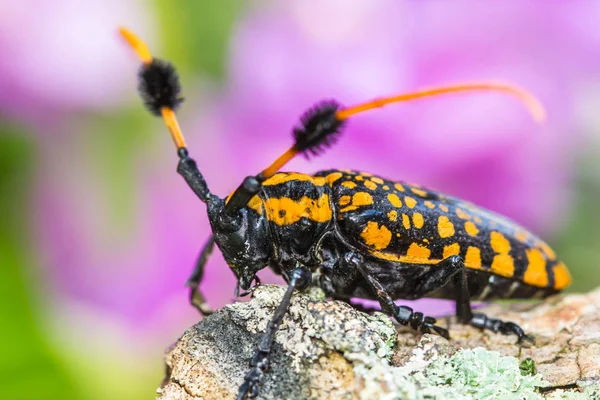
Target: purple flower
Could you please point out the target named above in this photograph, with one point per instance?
(482, 146)
(59, 57)
(284, 58)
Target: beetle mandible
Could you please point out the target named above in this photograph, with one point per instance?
(362, 235)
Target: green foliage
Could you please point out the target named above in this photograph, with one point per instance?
(527, 367)
(578, 244)
(29, 366)
(196, 33)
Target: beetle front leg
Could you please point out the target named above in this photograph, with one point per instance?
(197, 300)
(403, 314)
(299, 279)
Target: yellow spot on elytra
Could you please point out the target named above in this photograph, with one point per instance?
(445, 227)
(478, 220)
(521, 236)
(418, 252)
(410, 202)
(349, 184)
(399, 187)
(418, 220)
(405, 221)
(503, 265)
(359, 199)
(426, 240)
(462, 214)
(255, 203)
(499, 243)
(535, 273)
(394, 200)
(284, 177)
(393, 215)
(443, 207)
(377, 180)
(429, 204)
(359, 178)
(370, 185)
(562, 278)
(366, 174)
(332, 177)
(345, 200)
(419, 192)
(471, 228)
(375, 236)
(286, 211)
(473, 258)
(386, 187)
(451, 250)
(397, 235)
(548, 251)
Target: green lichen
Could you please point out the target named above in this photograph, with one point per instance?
(435, 371)
(469, 374)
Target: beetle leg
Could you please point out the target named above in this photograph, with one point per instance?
(196, 298)
(299, 279)
(402, 314)
(480, 320)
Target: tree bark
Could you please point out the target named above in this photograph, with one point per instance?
(329, 350)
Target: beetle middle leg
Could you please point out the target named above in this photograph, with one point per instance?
(402, 314)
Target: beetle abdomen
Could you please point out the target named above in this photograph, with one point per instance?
(402, 223)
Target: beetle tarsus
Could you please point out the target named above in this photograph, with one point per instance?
(418, 321)
(482, 321)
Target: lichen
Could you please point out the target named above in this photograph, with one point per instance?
(328, 349)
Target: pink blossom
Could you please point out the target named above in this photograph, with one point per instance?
(59, 57)
(286, 56)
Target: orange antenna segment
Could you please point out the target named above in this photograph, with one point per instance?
(279, 163)
(531, 102)
(173, 127)
(167, 113)
(140, 48)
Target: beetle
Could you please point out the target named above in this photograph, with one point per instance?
(359, 235)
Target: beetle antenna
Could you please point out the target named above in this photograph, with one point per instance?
(321, 126)
(160, 89)
(530, 101)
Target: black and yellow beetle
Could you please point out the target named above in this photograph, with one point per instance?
(362, 235)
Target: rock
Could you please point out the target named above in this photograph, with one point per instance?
(329, 350)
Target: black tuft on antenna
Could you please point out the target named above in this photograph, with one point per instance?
(159, 86)
(319, 128)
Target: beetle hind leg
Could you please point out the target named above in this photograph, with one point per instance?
(480, 320)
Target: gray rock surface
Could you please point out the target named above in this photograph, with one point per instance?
(329, 350)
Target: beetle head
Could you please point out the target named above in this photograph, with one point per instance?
(244, 240)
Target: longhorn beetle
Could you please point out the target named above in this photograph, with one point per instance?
(362, 235)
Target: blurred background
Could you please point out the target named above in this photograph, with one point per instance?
(99, 233)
